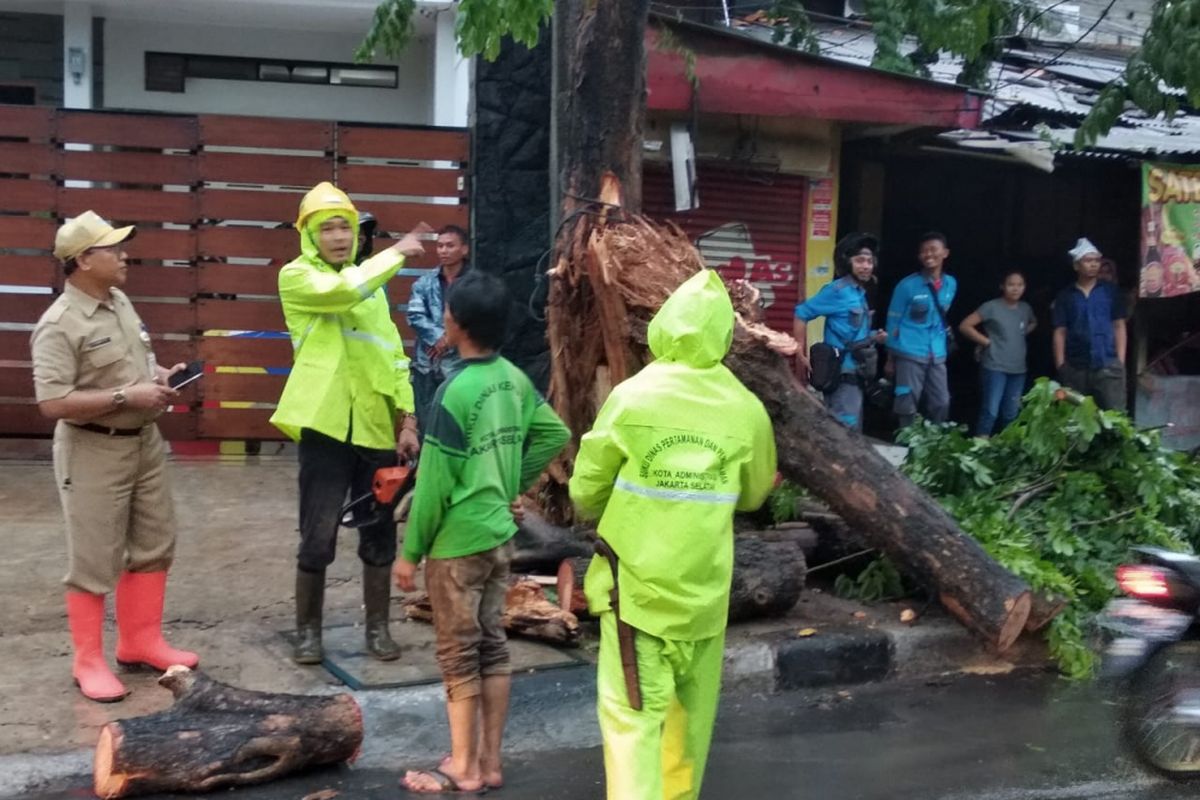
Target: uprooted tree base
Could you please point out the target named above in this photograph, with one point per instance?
(614, 270)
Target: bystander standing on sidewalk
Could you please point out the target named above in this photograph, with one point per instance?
(844, 304)
(94, 371)
(488, 436)
(919, 337)
(1089, 332)
(1006, 322)
(674, 451)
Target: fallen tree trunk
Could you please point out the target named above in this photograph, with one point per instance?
(887, 509)
(216, 736)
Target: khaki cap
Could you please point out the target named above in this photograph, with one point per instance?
(86, 231)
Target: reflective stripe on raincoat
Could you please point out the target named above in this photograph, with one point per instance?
(350, 374)
(675, 449)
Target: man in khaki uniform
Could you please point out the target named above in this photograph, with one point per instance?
(95, 373)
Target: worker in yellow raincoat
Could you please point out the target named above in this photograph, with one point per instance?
(347, 391)
(675, 450)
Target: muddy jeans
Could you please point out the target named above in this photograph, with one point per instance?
(467, 595)
(1106, 385)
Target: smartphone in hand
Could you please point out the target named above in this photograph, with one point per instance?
(192, 372)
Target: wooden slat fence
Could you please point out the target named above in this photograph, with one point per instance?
(214, 198)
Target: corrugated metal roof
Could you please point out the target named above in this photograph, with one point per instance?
(1041, 77)
(1050, 78)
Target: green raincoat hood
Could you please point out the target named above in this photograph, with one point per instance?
(695, 325)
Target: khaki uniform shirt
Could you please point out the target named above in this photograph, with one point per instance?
(82, 343)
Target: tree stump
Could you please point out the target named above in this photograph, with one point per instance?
(216, 736)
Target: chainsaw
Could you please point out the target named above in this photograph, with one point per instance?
(388, 488)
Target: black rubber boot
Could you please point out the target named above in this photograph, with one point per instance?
(377, 597)
(310, 601)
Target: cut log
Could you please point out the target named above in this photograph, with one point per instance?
(217, 736)
(1045, 606)
(768, 576)
(527, 612)
(887, 509)
(768, 572)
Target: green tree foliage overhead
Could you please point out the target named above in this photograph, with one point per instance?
(482, 25)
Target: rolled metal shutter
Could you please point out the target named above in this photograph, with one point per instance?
(749, 225)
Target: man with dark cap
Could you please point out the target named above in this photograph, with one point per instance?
(844, 304)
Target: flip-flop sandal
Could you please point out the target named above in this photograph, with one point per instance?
(446, 784)
(486, 785)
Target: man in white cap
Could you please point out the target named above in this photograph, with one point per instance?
(94, 372)
(1089, 332)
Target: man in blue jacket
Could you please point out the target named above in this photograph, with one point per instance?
(843, 303)
(918, 334)
(435, 358)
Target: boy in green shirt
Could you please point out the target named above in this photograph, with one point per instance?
(488, 437)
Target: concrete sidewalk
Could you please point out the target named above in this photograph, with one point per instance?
(230, 596)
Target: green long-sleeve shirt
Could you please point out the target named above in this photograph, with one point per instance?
(489, 436)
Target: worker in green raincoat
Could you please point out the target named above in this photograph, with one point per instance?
(675, 450)
(347, 391)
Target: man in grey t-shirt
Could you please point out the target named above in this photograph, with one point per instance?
(1005, 322)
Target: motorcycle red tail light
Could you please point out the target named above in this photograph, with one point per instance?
(1139, 580)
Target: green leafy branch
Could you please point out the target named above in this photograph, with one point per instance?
(481, 27)
(1059, 498)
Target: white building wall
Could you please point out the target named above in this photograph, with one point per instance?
(126, 42)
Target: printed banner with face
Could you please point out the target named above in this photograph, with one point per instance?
(1170, 230)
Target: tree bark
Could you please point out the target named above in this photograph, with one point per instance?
(889, 511)
(596, 158)
(600, 99)
(217, 736)
(768, 575)
(542, 546)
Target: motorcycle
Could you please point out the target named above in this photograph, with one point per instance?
(1152, 653)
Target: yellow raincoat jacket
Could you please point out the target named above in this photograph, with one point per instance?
(349, 374)
(675, 449)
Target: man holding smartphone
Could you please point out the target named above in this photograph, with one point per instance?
(94, 372)
(347, 393)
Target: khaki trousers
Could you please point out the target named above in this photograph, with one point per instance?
(117, 503)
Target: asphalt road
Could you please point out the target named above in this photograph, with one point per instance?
(1006, 738)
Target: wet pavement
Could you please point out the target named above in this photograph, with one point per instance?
(230, 595)
(1020, 737)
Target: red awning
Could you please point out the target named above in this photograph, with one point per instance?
(741, 75)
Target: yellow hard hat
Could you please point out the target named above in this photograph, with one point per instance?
(324, 197)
